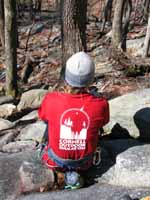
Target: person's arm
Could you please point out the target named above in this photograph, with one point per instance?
(42, 111)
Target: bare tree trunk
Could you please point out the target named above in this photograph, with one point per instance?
(31, 10)
(117, 24)
(10, 47)
(73, 27)
(146, 8)
(107, 13)
(37, 5)
(57, 4)
(135, 10)
(127, 9)
(147, 40)
(2, 37)
(120, 23)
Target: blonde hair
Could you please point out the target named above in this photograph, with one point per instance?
(74, 90)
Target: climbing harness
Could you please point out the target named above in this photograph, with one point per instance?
(68, 164)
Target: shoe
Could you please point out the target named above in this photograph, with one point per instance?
(73, 180)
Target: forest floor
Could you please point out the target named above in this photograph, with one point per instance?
(39, 57)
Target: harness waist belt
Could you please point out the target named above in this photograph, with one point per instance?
(68, 163)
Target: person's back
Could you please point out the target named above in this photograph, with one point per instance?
(74, 121)
(74, 118)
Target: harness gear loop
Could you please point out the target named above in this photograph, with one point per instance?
(97, 157)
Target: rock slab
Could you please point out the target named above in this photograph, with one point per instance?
(123, 109)
(129, 163)
(22, 172)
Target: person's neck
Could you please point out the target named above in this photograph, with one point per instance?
(75, 90)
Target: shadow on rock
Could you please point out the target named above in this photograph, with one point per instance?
(118, 141)
(142, 121)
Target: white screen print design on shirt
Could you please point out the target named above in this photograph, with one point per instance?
(74, 124)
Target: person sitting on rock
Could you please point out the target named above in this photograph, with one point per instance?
(74, 119)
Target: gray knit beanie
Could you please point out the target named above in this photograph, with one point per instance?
(79, 70)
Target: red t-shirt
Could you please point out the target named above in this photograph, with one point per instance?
(74, 121)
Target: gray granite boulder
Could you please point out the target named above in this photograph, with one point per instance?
(134, 46)
(142, 121)
(31, 99)
(34, 131)
(7, 110)
(94, 192)
(123, 109)
(6, 99)
(129, 163)
(21, 173)
(31, 116)
(5, 124)
(7, 137)
(18, 146)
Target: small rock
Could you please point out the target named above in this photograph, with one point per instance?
(18, 146)
(33, 131)
(104, 67)
(134, 47)
(5, 99)
(6, 110)
(31, 116)
(36, 29)
(33, 177)
(7, 138)
(31, 99)
(5, 124)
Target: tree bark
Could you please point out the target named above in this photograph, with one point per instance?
(107, 13)
(57, 4)
(10, 47)
(73, 27)
(2, 37)
(146, 8)
(117, 24)
(147, 40)
(120, 23)
(127, 9)
(31, 10)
